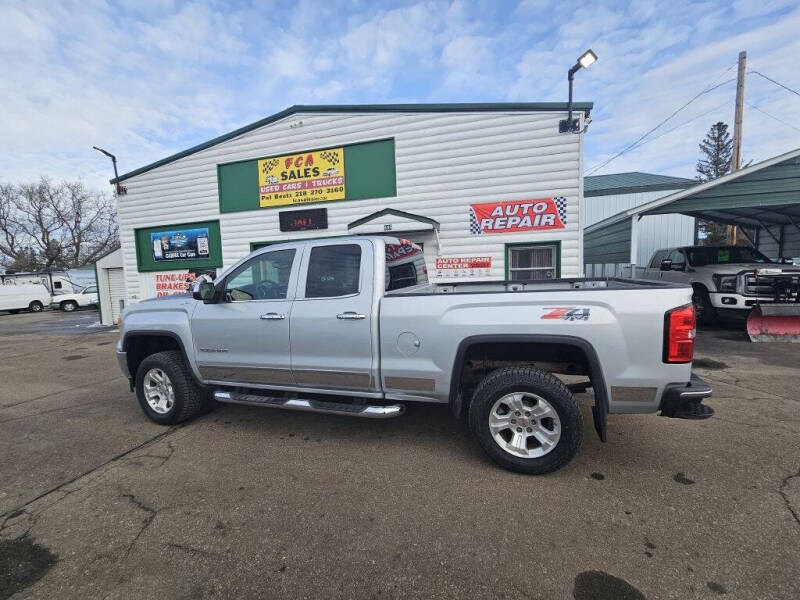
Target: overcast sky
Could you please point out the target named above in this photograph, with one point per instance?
(147, 78)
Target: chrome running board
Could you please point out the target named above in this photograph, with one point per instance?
(368, 411)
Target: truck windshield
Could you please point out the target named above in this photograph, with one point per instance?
(720, 255)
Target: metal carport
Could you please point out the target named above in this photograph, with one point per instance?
(765, 195)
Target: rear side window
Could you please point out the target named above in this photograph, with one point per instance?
(657, 258)
(405, 265)
(333, 271)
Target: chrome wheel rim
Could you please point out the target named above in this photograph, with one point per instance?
(158, 391)
(525, 425)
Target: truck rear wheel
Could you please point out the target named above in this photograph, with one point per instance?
(35, 306)
(526, 420)
(166, 390)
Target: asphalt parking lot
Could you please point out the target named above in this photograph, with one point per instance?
(97, 502)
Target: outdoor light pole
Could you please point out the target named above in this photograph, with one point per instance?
(120, 190)
(587, 59)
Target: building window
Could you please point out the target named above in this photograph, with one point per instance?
(534, 262)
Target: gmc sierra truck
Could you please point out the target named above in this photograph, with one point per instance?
(734, 278)
(351, 326)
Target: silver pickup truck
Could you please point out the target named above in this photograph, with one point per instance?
(352, 326)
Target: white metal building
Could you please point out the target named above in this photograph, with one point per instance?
(489, 190)
(608, 195)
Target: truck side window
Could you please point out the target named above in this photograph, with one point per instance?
(263, 277)
(333, 271)
(678, 260)
(405, 265)
(657, 258)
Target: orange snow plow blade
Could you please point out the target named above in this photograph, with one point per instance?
(774, 323)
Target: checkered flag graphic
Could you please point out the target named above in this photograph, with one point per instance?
(474, 227)
(331, 157)
(267, 166)
(561, 207)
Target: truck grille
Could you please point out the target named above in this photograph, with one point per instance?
(780, 287)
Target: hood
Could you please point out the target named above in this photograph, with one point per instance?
(734, 268)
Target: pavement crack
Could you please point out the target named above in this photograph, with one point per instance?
(52, 410)
(193, 550)
(115, 458)
(56, 393)
(151, 514)
(786, 501)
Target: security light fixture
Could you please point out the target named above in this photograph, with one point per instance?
(121, 190)
(586, 60)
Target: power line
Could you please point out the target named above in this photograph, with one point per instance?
(634, 144)
(668, 131)
(761, 110)
(787, 88)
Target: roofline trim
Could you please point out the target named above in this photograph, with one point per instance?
(635, 189)
(584, 107)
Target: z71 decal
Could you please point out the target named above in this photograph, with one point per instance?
(566, 313)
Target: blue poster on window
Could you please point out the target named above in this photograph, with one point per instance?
(180, 244)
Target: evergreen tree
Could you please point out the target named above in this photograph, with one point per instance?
(716, 151)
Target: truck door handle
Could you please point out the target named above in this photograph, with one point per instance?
(350, 316)
(273, 316)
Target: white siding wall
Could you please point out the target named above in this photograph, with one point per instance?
(445, 161)
(658, 231)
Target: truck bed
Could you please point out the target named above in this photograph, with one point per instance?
(577, 283)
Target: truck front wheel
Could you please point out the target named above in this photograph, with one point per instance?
(526, 420)
(166, 390)
(703, 309)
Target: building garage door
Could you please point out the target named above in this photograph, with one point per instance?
(116, 286)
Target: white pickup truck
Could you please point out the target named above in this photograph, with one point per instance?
(70, 302)
(734, 278)
(352, 326)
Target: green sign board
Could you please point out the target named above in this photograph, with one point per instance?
(368, 171)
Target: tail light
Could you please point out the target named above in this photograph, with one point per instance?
(679, 334)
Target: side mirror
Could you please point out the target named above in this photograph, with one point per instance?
(203, 289)
(666, 265)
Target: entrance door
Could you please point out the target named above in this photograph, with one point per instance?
(244, 338)
(333, 345)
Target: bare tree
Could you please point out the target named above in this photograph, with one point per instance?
(47, 226)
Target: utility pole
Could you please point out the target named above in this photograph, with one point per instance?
(739, 115)
(736, 159)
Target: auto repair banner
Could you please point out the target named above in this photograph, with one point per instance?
(180, 244)
(518, 215)
(301, 178)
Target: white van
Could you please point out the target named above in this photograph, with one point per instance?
(32, 297)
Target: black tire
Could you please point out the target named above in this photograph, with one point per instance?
(190, 397)
(543, 384)
(704, 311)
(69, 306)
(35, 306)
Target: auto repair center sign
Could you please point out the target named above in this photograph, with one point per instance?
(515, 216)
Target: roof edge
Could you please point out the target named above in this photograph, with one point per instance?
(638, 188)
(584, 107)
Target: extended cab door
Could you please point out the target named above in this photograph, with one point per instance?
(333, 326)
(244, 338)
